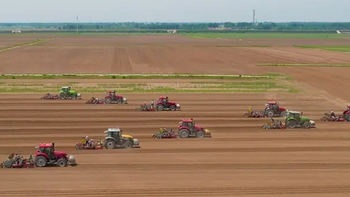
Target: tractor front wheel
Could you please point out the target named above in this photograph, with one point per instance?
(291, 124)
(200, 134)
(61, 162)
(127, 144)
(110, 144)
(184, 133)
(173, 108)
(307, 125)
(40, 161)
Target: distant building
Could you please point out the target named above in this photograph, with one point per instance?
(343, 32)
(16, 31)
(172, 31)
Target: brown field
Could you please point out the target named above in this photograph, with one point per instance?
(159, 54)
(241, 159)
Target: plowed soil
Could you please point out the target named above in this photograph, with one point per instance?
(241, 159)
(159, 54)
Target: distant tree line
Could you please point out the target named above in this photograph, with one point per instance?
(182, 27)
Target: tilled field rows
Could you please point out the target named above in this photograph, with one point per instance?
(241, 159)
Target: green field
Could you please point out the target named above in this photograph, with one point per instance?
(160, 86)
(141, 76)
(267, 35)
(329, 48)
(306, 65)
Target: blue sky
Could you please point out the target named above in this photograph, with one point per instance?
(173, 10)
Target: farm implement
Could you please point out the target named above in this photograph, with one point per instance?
(91, 145)
(95, 101)
(49, 96)
(17, 161)
(163, 133)
(329, 118)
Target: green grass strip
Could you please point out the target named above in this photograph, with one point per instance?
(328, 48)
(306, 65)
(140, 76)
(266, 35)
(24, 45)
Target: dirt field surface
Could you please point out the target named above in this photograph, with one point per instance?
(241, 159)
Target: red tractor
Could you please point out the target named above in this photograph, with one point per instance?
(113, 98)
(188, 128)
(163, 103)
(47, 156)
(273, 109)
(346, 113)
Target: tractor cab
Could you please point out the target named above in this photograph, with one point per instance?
(111, 93)
(163, 100)
(65, 89)
(47, 149)
(295, 114)
(190, 124)
(273, 105)
(115, 133)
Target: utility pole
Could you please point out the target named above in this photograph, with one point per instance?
(253, 17)
(77, 25)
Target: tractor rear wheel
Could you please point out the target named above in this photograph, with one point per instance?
(347, 117)
(200, 134)
(61, 162)
(108, 100)
(291, 124)
(160, 107)
(183, 133)
(270, 113)
(62, 96)
(40, 161)
(110, 144)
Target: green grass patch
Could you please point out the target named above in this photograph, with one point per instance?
(329, 48)
(140, 76)
(24, 45)
(205, 87)
(266, 35)
(306, 65)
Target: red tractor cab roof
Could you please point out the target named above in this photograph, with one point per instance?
(162, 97)
(46, 145)
(187, 121)
(110, 91)
(272, 103)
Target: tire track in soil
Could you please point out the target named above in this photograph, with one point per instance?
(208, 191)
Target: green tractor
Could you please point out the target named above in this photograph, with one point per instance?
(296, 119)
(115, 139)
(67, 93)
